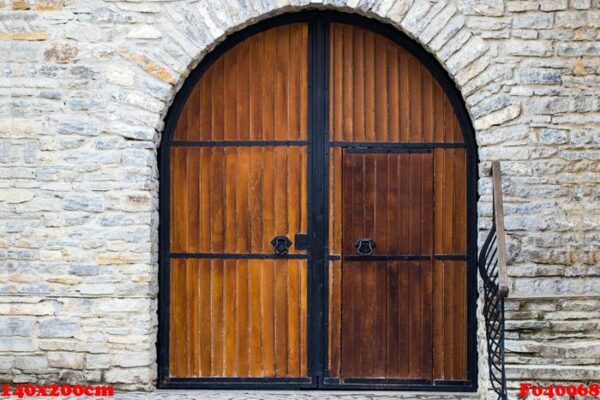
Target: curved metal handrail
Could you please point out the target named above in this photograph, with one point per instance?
(492, 267)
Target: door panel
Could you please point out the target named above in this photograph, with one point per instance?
(238, 318)
(385, 326)
(229, 199)
(256, 91)
(238, 178)
(379, 92)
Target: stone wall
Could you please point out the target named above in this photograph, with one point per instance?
(85, 85)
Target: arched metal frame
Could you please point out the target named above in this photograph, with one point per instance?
(318, 59)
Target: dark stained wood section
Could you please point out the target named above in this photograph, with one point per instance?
(381, 311)
(450, 201)
(450, 277)
(256, 91)
(229, 199)
(450, 320)
(238, 318)
(388, 197)
(379, 92)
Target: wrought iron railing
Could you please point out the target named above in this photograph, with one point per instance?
(492, 267)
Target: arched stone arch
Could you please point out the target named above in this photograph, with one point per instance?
(189, 31)
(462, 55)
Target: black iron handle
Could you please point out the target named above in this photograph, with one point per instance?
(281, 245)
(365, 246)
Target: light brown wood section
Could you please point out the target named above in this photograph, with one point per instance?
(380, 316)
(450, 320)
(379, 92)
(256, 91)
(243, 318)
(228, 199)
(335, 200)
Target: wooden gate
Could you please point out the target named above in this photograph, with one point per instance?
(315, 221)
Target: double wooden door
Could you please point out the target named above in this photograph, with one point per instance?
(317, 224)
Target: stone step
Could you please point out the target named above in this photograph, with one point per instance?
(291, 395)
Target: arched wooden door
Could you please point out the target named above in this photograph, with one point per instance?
(316, 227)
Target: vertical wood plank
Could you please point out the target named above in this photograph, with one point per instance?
(230, 316)
(205, 300)
(280, 318)
(242, 319)
(217, 345)
(255, 333)
(268, 317)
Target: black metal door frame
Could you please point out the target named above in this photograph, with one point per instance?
(318, 177)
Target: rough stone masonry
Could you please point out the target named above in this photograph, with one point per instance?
(84, 88)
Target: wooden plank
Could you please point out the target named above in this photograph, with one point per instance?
(230, 100)
(254, 307)
(379, 344)
(460, 320)
(393, 78)
(179, 179)
(243, 340)
(404, 344)
(427, 107)
(335, 82)
(392, 349)
(347, 80)
(217, 345)
(293, 318)
(242, 184)
(293, 198)
(204, 188)
(282, 59)
(382, 101)
(233, 225)
(205, 111)
(357, 72)
(335, 201)
(280, 193)
(255, 199)
(177, 344)
(301, 43)
(335, 311)
(217, 200)
(280, 318)
(268, 317)
(230, 316)
(405, 96)
(268, 199)
(438, 319)
(426, 344)
(303, 319)
(296, 55)
(256, 86)
(303, 190)
(269, 85)
(191, 313)
(242, 95)
(218, 100)
(205, 300)
(193, 185)
(449, 332)
(370, 94)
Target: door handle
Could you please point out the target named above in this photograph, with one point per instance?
(281, 245)
(365, 246)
